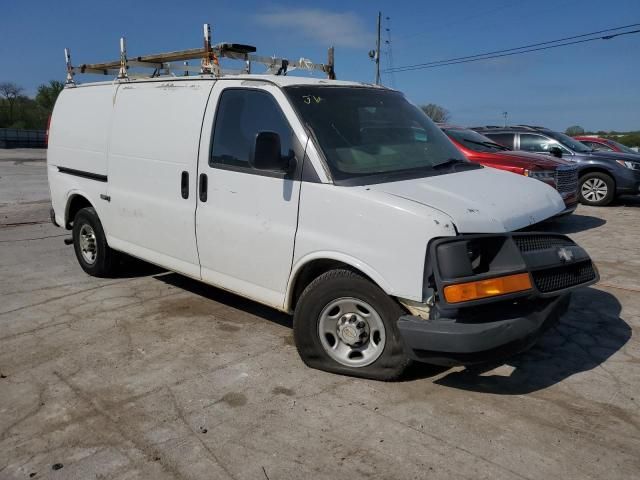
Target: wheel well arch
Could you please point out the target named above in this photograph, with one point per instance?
(75, 203)
(596, 169)
(311, 270)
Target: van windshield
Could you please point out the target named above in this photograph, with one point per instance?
(371, 132)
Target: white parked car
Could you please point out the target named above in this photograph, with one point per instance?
(338, 202)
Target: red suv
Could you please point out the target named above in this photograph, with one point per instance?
(605, 145)
(560, 174)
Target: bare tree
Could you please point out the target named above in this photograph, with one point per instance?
(436, 112)
(10, 91)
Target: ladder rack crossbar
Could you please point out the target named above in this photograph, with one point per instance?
(160, 60)
(208, 56)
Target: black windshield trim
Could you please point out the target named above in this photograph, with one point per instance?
(400, 175)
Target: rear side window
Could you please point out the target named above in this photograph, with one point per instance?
(241, 115)
(505, 139)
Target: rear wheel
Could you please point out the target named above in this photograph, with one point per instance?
(343, 323)
(90, 244)
(597, 189)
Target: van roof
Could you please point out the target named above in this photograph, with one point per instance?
(279, 80)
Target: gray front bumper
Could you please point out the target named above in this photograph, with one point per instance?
(450, 341)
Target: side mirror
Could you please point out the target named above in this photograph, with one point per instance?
(556, 152)
(266, 155)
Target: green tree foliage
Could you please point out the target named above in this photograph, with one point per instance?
(630, 139)
(436, 112)
(574, 130)
(47, 94)
(20, 111)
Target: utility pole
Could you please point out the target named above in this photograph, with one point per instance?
(377, 56)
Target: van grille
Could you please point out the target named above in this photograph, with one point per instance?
(559, 278)
(530, 243)
(567, 178)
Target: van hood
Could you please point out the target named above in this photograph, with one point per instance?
(482, 200)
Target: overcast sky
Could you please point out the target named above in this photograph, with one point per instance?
(595, 84)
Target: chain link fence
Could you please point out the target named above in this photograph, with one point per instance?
(18, 138)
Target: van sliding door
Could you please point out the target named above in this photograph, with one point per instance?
(153, 155)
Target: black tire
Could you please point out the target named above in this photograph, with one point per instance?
(334, 285)
(590, 199)
(105, 258)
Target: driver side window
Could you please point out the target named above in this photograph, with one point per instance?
(241, 115)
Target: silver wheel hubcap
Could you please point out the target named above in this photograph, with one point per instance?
(594, 189)
(351, 332)
(88, 245)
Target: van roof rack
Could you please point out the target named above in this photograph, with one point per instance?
(208, 55)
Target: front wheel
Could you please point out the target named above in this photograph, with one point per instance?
(596, 189)
(343, 323)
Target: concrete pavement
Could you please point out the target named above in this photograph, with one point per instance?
(153, 375)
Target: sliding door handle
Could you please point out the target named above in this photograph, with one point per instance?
(203, 187)
(184, 184)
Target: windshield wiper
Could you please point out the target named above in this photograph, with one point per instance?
(486, 144)
(451, 162)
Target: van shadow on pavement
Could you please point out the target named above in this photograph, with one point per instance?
(130, 267)
(587, 335)
(226, 298)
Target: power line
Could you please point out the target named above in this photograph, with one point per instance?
(528, 46)
(606, 37)
(519, 50)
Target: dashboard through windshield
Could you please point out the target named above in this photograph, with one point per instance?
(367, 132)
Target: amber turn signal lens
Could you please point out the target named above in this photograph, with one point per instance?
(464, 292)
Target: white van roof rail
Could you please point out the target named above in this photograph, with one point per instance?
(208, 55)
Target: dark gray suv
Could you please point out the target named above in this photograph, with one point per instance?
(602, 175)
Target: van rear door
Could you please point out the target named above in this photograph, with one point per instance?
(247, 218)
(153, 154)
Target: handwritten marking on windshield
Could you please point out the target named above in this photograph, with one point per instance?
(311, 98)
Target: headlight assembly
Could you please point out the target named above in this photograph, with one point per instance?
(629, 164)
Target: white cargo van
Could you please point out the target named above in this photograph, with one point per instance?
(338, 202)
